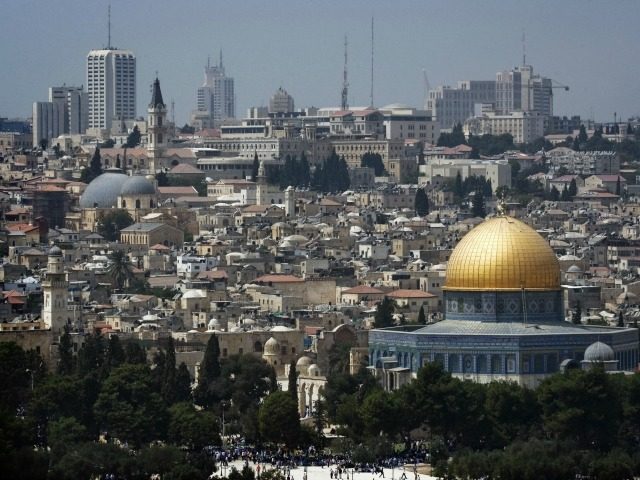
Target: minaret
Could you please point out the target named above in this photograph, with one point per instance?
(261, 187)
(156, 128)
(55, 289)
(290, 202)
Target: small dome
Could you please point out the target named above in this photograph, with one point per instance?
(574, 269)
(55, 251)
(281, 328)
(137, 185)
(213, 324)
(304, 362)
(103, 190)
(271, 347)
(599, 352)
(314, 370)
(194, 294)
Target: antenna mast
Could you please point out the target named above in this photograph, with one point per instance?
(345, 84)
(524, 50)
(371, 98)
(109, 28)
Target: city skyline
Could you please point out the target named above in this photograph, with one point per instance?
(299, 46)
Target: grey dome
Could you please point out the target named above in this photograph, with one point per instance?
(599, 352)
(137, 185)
(103, 191)
(55, 251)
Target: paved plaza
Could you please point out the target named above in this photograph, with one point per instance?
(324, 473)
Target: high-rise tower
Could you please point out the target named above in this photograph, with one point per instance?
(111, 85)
(216, 98)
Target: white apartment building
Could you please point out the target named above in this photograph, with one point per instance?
(452, 105)
(189, 266)
(584, 163)
(111, 87)
(48, 121)
(525, 127)
(498, 171)
(401, 121)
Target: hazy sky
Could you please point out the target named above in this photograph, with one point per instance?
(592, 46)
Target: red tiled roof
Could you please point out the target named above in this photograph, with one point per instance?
(407, 293)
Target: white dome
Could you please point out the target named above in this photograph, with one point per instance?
(271, 347)
(314, 370)
(194, 294)
(214, 324)
(599, 352)
(281, 328)
(304, 361)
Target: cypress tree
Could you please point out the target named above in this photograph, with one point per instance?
(293, 381)
(477, 205)
(384, 313)
(65, 365)
(576, 316)
(421, 203)
(421, 316)
(183, 384)
(620, 319)
(168, 388)
(210, 367)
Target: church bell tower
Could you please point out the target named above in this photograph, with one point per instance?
(157, 130)
(55, 291)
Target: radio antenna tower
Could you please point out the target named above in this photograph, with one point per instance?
(109, 28)
(345, 84)
(371, 97)
(524, 50)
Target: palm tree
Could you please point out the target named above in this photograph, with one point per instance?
(120, 269)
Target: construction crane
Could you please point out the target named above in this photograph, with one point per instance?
(554, 85)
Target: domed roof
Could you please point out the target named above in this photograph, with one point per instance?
(271, 347)
(194, 294)
(503, 254)
(304, 361)
(599, 352)
(314, 370)
(103, 190)
(55, 251)
(137, 185)
(574, 269)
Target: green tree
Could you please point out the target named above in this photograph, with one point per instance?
(384, 313)
(94, 169)
(65, 354)
(620, 319)
(373, 160)
(554, 194)
(120, 269)
(583, 407)
(458, 189)
(422, 320)
(129, 408)
(192, 428)
(255, 167)
(183, 384)
(477, 205)
(111, 223)
(206, 393)
(582, 135)
(618, 187)
(421, 203)
(576, 315)
(168, 385)
(162, 179)
(133, 139)
(293, 381)
(573, 188)
(564, 196)
(278, 419)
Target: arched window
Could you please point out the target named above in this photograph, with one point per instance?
(138, 203)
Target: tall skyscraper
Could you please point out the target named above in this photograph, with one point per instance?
(111, 86)
(216, 99)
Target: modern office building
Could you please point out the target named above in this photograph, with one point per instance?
(216, 99)
(452, 105)
(281, 102)
(111, 87)
(48, 121)
(74, 102)
(520, 89)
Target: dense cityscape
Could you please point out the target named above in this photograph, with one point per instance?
(449, 289)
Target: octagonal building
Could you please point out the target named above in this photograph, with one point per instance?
(503, 316)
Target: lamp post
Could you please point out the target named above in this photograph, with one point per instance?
(223, 404)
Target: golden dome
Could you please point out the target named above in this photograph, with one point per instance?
(503, 254)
